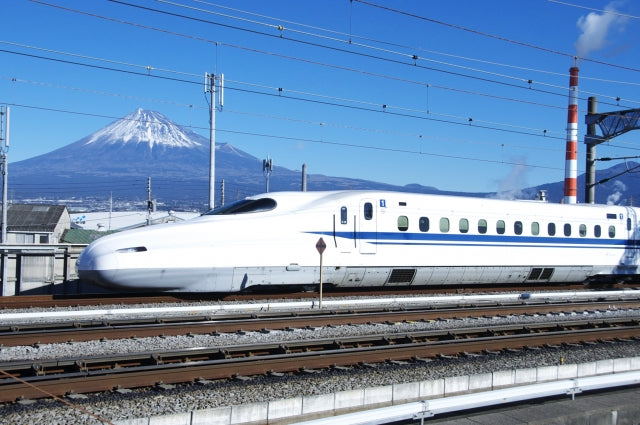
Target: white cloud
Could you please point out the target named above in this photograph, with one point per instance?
(595, 28)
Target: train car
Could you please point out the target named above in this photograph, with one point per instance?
(372, 239)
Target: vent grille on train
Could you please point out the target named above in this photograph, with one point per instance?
(539, 273)
(401, 276)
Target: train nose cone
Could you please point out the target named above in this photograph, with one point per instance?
(98, 264)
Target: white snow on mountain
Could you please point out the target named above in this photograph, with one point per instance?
(144, 126)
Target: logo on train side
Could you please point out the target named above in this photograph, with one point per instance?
(383, 203)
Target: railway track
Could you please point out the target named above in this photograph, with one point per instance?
(87, 330)
(52, 301)
(91, 374)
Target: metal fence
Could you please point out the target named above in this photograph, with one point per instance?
(39, 269)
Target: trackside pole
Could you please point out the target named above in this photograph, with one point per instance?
(320, 246)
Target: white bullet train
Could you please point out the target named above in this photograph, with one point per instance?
(372, 239)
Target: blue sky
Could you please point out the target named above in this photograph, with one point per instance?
(465, 96)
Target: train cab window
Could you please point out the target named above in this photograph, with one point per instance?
(245, 206)
(582, 230)
(444, 224)
(343, 215)
(567, 229)
(517, 227)
(535, 228)
(551, 229)
(482, 226)
(463, 225)
(597, 231)
(368, 210)
(500, 227)
(423, 224)
(403, 223)
(612, 231)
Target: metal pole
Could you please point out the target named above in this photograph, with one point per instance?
(5, 204)
(320, 303)
(320, 246)
(222, 192)
(590, 141)
(304, 177)
(149, 204)
(4, 117)
(212, 141)
(267, 168)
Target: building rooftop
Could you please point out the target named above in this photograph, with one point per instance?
(33, 217)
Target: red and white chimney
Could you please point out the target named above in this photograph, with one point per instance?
(571, 158)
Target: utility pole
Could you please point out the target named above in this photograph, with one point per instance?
(149, 201)
(4, 143)
(4, 140)
(611, 124)
(590, 175)
(304, 177)
(267, 168)
(210, 87)
(222, 192)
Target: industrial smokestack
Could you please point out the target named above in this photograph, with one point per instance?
(571, 158)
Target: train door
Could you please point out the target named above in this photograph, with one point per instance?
(631, 255)
(368, 230)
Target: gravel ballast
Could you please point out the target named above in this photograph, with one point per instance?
(163, 400)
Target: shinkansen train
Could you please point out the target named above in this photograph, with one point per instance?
(372, 239)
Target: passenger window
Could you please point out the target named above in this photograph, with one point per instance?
(612, 231)
(583, 230)
(597, 231)
(423, 223)
(343, 215)
(444, 224)
(464, 225)
(482, 226)
(567, 229)
(368, 211)
(535, 228)
(403, 223)
(500, 227)
(517, 227)
(551, 229)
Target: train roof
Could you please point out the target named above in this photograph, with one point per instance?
(293, 200)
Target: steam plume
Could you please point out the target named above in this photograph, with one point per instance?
(595, 28)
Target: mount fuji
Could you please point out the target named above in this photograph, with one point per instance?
(117, 160)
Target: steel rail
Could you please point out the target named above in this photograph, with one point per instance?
(50, 301)
(88, 330)
(93, 374)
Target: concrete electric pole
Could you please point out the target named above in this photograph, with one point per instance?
(210, 87)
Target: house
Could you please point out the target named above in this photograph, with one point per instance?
(36, 224)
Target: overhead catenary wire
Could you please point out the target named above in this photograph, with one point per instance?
(389, 106)
(521, 79)
(371, 104)
(497, 37)
(347, 144)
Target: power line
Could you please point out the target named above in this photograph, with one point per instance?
(484, 34)
(345, 144)
(291, 97)
(523, 80)
(612, 12)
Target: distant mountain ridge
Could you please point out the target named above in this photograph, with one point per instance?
(118, 159)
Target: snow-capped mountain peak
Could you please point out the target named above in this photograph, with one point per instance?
(147, 127)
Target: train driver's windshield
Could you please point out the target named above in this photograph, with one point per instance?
(244, 206)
